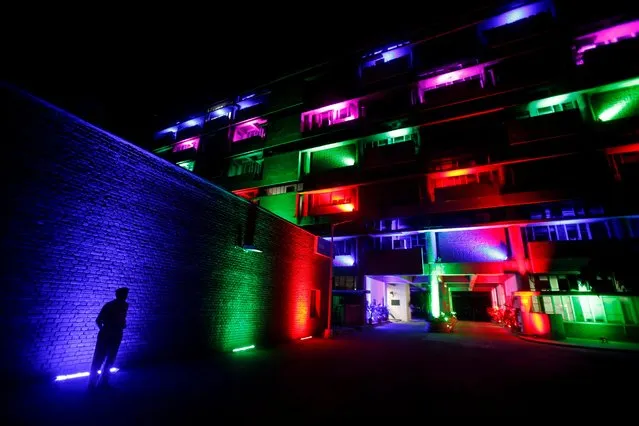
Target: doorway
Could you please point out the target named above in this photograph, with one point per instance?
(472, 305)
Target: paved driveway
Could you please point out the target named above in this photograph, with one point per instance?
(392, 371)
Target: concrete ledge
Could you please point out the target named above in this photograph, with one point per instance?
(585, 344)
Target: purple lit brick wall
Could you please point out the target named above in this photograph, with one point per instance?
(481, 245)
(85, 213)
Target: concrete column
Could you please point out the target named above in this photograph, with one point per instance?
(431, 256)
(518, 255)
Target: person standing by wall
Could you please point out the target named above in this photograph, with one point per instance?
(111, 321)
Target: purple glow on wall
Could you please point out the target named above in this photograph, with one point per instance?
(604, 37)
(331, 114)
(83, 374)
(344, 260)
(387, 54)
(517, 14)
(477, 245)
(452, 77)
(224, 111)
(172, 129)
(191, 143)
(249, 129)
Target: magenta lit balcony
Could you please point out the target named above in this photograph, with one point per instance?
(604, 37)
(249, 129)
(330, 115)
(475, 72)
(191, 143)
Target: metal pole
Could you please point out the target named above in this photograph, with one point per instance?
(329, 324)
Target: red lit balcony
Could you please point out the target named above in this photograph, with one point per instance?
(473, 182)
(330, 201)
(330, 115)
(249, 194)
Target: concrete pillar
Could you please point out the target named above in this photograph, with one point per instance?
(518, 255)
(431, 257)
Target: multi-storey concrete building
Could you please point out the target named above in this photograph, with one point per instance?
(489, 164)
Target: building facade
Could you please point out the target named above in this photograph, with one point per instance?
(491, 164)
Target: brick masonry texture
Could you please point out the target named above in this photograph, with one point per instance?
(86, 212)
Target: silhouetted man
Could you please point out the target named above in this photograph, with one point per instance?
(111, 321)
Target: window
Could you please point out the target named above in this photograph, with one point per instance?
(388, 141)
(400, 242)
(251, 165)
(589, 309)
(314, 308)
(284, 189)
(344, 282)
(566, 106)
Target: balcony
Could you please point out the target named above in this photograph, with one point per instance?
(454, 83)
(391, 199)
(248, 135)
(392, 262)
(472, 190)
(330, 115)
(329, 202)
(392, 104)
(388, 155)
(386, 63)
(532, 68)
(242, 181)
(545, 127)
(518, 23)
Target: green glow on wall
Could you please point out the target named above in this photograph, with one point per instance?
(398, 133)
(329, 146)
(188, 165)
(613, 111)
(608, 110)
(434, 295)
(348, 161)
(242, 319)
(162, 149)
(244, 348)
(282, 205)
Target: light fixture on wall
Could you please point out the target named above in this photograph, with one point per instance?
(250, 247)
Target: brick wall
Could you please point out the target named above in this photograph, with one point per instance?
(86, 213)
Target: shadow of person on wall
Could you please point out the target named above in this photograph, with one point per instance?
(111, 321)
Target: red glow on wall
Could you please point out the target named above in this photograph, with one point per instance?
(304, 304)
(249, 194)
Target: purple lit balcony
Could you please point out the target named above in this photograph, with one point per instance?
(517, 23)
(604, 37)
(475, 72)
(191, 143)
(386, 62)
(330, 115)
(249, 129)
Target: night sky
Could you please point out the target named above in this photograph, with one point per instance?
(131, 75)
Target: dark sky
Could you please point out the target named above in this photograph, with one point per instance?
(129, 73)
